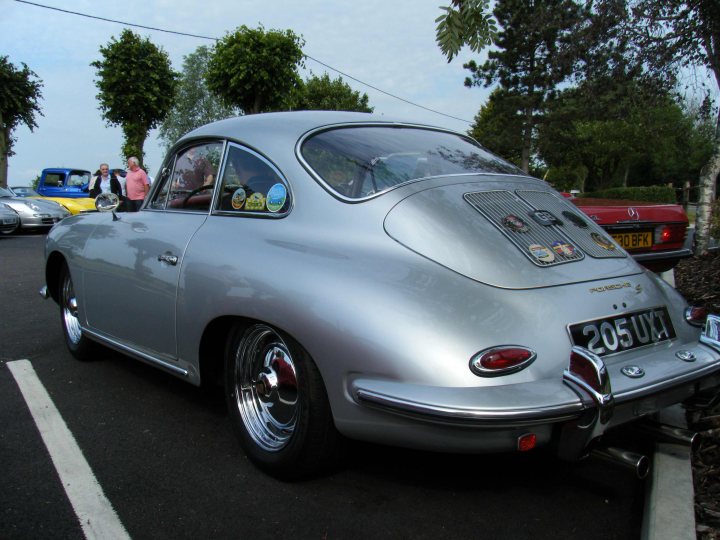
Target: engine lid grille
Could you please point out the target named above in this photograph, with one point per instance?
(544, 228)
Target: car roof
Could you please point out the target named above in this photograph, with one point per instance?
(289, 125)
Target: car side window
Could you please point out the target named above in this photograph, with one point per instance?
(250, 184)
(191, 184)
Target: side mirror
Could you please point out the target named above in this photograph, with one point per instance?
(107, 202)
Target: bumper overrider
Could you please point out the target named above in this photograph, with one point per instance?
(575, 413)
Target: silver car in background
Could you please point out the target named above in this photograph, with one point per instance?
(9, 219)
(343, 274)
(33, 213)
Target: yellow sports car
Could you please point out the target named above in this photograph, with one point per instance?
(74, 205)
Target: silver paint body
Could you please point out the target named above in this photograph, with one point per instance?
(391, 297)
(9, 219)
(33, 213)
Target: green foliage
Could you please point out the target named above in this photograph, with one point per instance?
(465, 22)
(622, 130)
(194, 104)
(136, 86)
(499, 127)
(656, 194)
(566, 177)
(533, 54)
(325, 94)
(256, 70)
(35, 182)
(19, 103)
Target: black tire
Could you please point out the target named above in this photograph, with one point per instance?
(78, 344)
(278, 404)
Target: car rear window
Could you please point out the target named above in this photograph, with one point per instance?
(360, 162)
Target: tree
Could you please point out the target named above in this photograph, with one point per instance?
(137, 88)
(676, 33)
(194, 104)
(498, 126)
(534, 53)
(465, 22)
(256, 70)
(621, 130)
(325, 94)
(19, 97)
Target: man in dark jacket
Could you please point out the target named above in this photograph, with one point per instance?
(105, 182)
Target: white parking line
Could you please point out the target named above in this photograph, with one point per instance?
(97, 517)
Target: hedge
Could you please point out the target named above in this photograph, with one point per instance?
(657, 194)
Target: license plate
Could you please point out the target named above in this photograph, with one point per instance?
(634, 240)
(613, 335)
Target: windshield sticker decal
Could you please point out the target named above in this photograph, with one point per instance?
(238, 199)
(276, 197)
(256, 201)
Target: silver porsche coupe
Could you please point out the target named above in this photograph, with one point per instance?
(348, 276)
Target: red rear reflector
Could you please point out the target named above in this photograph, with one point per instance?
(696, 315)
(526, 442)
(583, 368)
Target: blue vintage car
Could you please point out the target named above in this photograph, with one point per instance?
(64, 182)
(343, 274)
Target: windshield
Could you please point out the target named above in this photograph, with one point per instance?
(4, 193)
(78, 178)
(25, 192)
(357, 162)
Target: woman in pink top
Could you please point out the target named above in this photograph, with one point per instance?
(136, 185)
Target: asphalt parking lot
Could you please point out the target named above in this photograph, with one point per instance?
(164, 455)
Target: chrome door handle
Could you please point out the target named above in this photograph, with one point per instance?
(168, 258)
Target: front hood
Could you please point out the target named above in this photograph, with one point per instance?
(517, 237)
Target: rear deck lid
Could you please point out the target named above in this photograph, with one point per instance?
(525, 236)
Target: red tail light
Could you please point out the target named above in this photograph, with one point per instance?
(501, 360)
(671, 233)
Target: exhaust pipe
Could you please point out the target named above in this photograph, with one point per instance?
(630, 460)
(670, 434)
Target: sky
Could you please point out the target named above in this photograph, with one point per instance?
(389, 44)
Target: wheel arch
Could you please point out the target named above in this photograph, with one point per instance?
(52, 270)
(211, 353)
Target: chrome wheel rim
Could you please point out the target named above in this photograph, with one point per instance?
(70, 311)
(266, 388)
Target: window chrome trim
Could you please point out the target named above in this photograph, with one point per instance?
(173, 154)
(245, 213)
(350, 200)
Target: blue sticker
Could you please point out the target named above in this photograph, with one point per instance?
(276, 197)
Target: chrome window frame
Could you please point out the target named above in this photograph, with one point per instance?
(172, 157)
(390, 125)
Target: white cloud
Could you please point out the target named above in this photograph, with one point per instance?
(390, 45)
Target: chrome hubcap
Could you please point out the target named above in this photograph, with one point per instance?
(70, 311)
(266, 388)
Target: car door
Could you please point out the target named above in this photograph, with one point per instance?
(133, 264)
